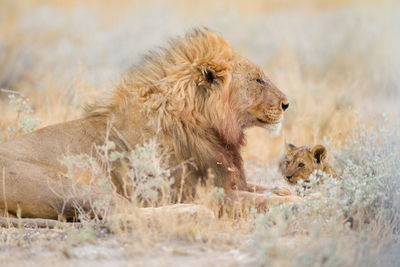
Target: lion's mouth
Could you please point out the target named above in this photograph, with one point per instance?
(269, 120)
(262, 121)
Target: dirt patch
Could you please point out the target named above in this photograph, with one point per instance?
(39, 247)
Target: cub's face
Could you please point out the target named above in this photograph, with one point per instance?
(299, 162)
(260, 102)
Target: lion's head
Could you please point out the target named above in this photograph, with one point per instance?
(239, 89)
(200, 80)
(299, 162)
(262, 103)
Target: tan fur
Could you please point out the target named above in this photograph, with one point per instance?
(196, 97)
(299, 162)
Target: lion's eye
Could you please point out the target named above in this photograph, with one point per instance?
(301, 165)
(260, 81)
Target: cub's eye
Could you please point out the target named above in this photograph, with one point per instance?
(260, 81)
(301, 165)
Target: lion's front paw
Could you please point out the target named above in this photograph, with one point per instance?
(282, 191)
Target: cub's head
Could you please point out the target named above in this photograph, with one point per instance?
(299, 162)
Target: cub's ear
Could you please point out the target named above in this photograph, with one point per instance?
(289, 147)
(319, 153)
(208, 74)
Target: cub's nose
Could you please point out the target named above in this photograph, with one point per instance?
(288, 177)
(285, 105)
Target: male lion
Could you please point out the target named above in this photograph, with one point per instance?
(197, 96)
(298, 163)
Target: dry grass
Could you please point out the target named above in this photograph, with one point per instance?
(338, 62)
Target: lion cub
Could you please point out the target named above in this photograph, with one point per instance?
(299, 162)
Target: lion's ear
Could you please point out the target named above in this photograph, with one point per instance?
(289, 147)
(319, 153)
(207, 74)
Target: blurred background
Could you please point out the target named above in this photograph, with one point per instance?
(337, 61)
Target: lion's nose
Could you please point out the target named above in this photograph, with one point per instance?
(285, 105)
(288, 177)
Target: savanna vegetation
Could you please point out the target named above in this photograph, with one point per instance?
(338, 63)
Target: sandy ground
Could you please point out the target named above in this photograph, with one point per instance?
(44, 247)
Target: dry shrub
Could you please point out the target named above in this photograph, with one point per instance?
(356, 219)
(338, 61)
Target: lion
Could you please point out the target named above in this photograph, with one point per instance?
(298, 163)
(196, 96)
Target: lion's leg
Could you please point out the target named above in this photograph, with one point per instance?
(261, 202)
(281, 191)
(37, 192)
